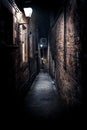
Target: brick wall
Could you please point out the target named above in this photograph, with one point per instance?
(21, 44)
(13, 58)
(64, 41)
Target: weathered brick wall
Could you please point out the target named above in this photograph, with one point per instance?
(25, 64)
(17, 69)
(65, 49)
(20, 38)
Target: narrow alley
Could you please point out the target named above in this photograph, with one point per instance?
(43, 62)
(42, 105)
(41, 102)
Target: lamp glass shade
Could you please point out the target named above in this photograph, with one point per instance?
(41, 45)
(28, 12)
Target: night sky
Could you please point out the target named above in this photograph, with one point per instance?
(43, 22)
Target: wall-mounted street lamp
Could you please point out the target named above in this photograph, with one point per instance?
(41, 45)
(28, 12)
